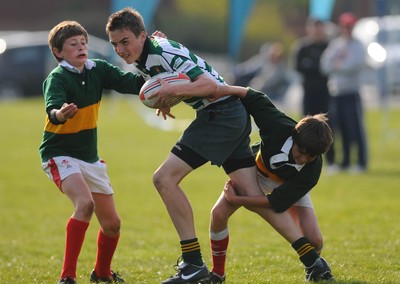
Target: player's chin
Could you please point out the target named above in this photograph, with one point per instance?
(127, 59)
(80, 60)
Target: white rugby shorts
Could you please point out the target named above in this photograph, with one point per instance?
(95, 174)
(267, 185)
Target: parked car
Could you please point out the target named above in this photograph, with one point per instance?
(25, 61)
(381, 38)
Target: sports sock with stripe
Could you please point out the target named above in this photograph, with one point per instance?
(191, 252)
(306, 251)
(219, 245)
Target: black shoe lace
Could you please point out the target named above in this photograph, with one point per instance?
(176, 266)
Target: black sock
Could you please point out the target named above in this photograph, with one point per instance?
(191, 252)
(306, 251)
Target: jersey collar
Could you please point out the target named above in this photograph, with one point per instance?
(89, 64)
(282, 159)
(141, 64)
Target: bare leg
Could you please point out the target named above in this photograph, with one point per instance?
(107, 214)
(307, 222)
(220, 214)
(245, 181)
(76, 189)
(166, 180)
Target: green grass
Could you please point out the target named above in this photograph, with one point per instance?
(358, 214)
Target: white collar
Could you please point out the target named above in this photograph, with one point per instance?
(89, 64)
(284, 156)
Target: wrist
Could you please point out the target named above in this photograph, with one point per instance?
(59, 116)
(54, 118)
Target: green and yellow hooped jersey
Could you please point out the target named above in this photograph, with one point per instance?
(77, 137)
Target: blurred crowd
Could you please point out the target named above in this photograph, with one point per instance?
(328, 66)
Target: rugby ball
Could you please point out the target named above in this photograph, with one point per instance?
(152, 85)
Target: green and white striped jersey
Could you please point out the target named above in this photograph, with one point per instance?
(164, 55)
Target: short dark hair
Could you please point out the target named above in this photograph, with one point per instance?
(313, 135)
(63, 31)
(126, 18)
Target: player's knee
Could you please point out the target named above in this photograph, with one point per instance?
(85, 208)
(218, 214)
(158, 178)
(112, 227)
(317, 242)
(163, 181)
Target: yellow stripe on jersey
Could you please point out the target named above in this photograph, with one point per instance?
(86, 118)
(261, 166)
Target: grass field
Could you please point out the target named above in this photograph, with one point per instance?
(358, 214)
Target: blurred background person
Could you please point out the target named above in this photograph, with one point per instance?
(266, 71)
(343, 61)
(273, 78)
(246, 70)
(306, 60)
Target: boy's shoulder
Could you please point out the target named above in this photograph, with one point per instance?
(100, 62)
(57, 72)
(101, 65)
(164, 43)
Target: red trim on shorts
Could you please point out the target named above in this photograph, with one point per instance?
(55, 174)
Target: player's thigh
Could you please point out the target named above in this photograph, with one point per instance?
(75, 188)
(172, 170)
(245, 181)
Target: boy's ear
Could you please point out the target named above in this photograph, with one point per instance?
(143, 35)
(57, 52)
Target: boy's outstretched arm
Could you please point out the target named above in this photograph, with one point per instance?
(226, 90)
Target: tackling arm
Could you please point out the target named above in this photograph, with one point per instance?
(247, 201)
